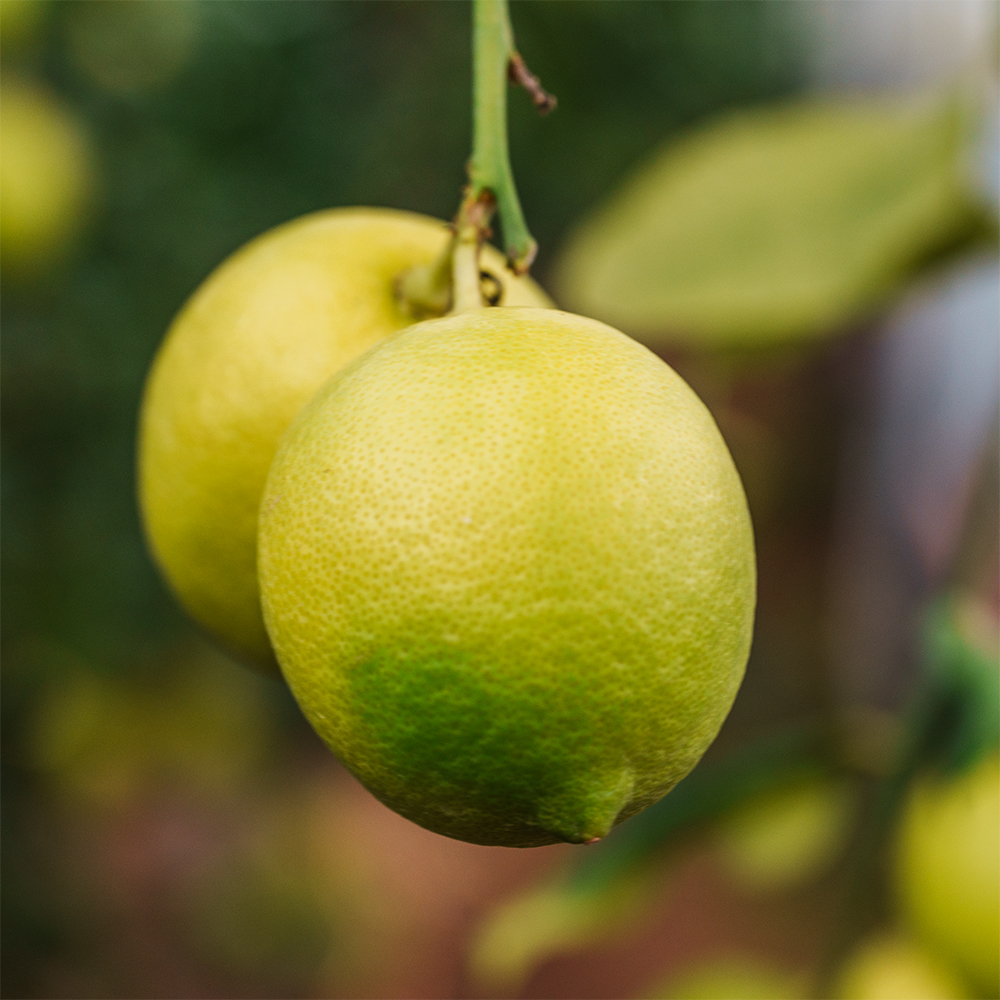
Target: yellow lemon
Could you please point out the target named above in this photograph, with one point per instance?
(249, 348)
(891, 967)
(507, 567)
(787, 836)
(45, 175)
(948, 869)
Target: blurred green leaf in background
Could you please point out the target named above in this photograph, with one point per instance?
(776, 224)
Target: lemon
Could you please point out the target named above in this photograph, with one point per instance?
(46, 175)
(250, 347)
(786, 836)
(948, 869)
(507, 566)
(889, 966)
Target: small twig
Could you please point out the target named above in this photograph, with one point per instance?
(519, 74)
(454, 279)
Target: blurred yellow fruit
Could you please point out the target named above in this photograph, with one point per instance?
(251, 346)
(784, 837)
(508, 569)
(45, 175)
(891, 967)
(19, 22)
(732, 979)
(947, 869)
(205, 725)
(131, 45)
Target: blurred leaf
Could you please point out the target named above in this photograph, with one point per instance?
(529, 928)
(961, 658)
(732, 978)
(779, 223)
(131, 45)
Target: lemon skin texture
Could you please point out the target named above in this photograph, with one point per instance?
(507, 567)
(250, 347)
(948, 869)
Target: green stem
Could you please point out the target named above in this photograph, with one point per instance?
(489, 170)
(453, 279)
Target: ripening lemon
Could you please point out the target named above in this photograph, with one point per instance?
(250, 347)
(507, 566)
(948, 869)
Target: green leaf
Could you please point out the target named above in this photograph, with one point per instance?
(736, 976)
(555, 918)
(774, 224)
(966, 673)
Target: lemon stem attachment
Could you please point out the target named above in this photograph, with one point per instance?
(453, 280)
(424, 291)
(491, 181)
(471, 228)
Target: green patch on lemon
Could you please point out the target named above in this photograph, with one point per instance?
(507, 566)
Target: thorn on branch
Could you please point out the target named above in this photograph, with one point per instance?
(519, 74)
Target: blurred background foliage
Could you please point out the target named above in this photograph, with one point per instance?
(170, 824)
